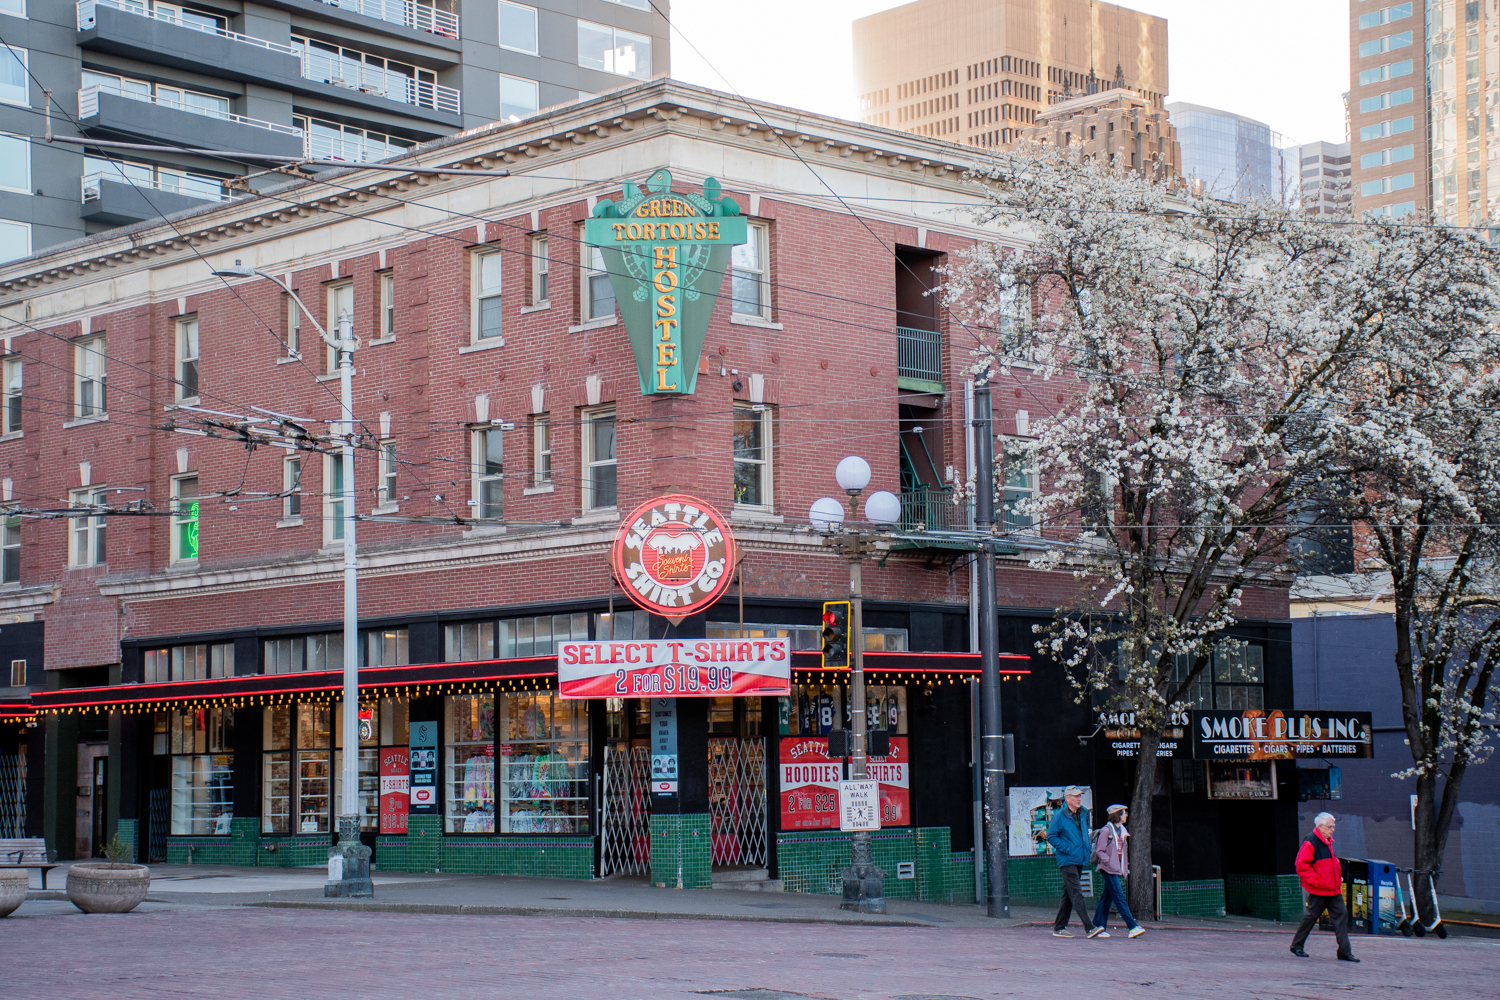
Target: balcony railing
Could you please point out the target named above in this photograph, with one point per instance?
(173, 184)
(919, 355)
(932, 509)
(88, 106)
(422, 17)
(350, 70)
(140, 8)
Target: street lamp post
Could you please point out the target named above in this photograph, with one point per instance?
(864, 890)
(349, 860)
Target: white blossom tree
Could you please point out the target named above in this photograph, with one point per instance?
(1202, 353)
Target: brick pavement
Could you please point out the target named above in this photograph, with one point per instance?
(226, 953)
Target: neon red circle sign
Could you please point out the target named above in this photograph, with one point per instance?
(674, 556)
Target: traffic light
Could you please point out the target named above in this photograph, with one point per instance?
(835, 633)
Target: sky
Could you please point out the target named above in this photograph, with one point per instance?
(1283, 62)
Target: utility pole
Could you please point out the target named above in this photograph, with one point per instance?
(996, 849)
(864, 889)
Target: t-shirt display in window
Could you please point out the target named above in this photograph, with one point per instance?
(544, 761)
(470, 760)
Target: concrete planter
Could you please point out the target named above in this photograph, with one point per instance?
(13, 886)
(107, 886)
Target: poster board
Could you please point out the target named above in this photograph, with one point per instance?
(1031, 810)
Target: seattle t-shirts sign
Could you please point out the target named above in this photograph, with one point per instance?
(674, 555)
(810, 784)
(674, 668)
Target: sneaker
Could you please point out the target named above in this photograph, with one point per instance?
(1136, 931)
(1062, 933)
(1098, 932)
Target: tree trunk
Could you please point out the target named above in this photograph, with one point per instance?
(1138, 889)
(1427, 854)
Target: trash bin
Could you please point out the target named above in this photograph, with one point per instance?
(1369, 895)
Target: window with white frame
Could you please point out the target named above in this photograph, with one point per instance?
(293, 327)
(291, 486)
(387, 490)
(750, 286)
(10, 549)
(598, 294)
(14, 79)
(187, 358)
(13, 396)
(386, 648)
(15, 240)
(16, 8)
(486, 319)
(752, 455)
(387, 305)
(185, 516)
(196, 662)
(1020, 488)
(519, 98)
(17, 673)
(295, 654)
(340, 305)
(489, 472)
(15, 163)
(86, 531)
(539, 269)
(333, 499)
(541, 449)
(518, 27)
(614, 50)
(599, 459)
(88, 369)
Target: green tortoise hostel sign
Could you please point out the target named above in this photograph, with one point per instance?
(666, 254)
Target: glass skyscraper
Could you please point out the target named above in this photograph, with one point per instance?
(1234, 158)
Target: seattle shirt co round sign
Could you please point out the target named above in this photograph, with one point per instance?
(674, 555)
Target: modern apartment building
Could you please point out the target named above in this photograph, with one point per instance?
(978, 72)
(1324, 168)
(354, 80)
(1393, 147)
(1230, 156)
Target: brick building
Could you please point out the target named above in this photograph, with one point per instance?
(190, 622)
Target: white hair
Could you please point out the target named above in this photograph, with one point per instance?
(1322, 818)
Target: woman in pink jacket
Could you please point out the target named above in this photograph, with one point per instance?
(1109, 847)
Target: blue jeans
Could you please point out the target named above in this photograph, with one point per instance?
(1112, 891)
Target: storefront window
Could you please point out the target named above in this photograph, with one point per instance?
(544, 764)
(199, 742)
(314, 753)
(1234, 679)
(276, 776)
(470, 734)
(302, 780)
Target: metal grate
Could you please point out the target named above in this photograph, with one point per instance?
(625, 823)
(919, 354)
(737, 801)
(12, 795)
(156, 826)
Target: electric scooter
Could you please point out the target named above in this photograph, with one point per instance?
(1436, 927)
(1404, 924)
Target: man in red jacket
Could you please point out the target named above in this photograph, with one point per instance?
(1319, 871)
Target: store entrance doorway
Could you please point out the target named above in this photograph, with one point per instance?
(737, 802)
(625, 813)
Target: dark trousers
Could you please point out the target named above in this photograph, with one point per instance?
(1337, 915)
(1072, 899)
(1112, 892)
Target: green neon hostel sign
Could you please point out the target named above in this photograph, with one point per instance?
(666, 254)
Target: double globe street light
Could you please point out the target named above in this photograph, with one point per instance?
(864, 891)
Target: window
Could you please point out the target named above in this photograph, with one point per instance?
(517, 27)
(14, 81)
(88, 368)
(1375, 18)
(1385, 128)
(87, 548)
(1378, 45)
(387, 305)
(187, 358)
(1385, 184)
(13, 398)
(487, 295)
(470, 764)
(315, 653)
(539, 635)
(10, 549)
(387, 492)
(15, 164)
(17, 673)
(293, 327)
(297, 785)
(340, 307)
(1233, 679)
(16, 7)
(386, 648)
(489, 473)
(333, 499)
(1385, 156)
(599, 459)
(637, 4)
(1387, 100)
(750, 290)
(539, 269)
(333, 141)
(184, 518)
(544, 762)
(291, 486)
(1386, 72)
(518, 98)
(200, 743)
(15, 240)
(613, 51)
(752, 455)
(469, 641)
(1020, 486)
(598, 294)
(541, 450)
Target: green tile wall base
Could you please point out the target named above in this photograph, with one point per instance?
(680, 857)
(1270, 897)
(1034, 881)
(424, 844)
(1289, 903)
(814, 861)
(200, 851)
(125, 829)
(543, 857)
(1201, 898)
(244, 840)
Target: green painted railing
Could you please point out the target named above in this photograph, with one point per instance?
(919, 354)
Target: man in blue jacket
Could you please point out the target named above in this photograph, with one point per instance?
(1069, 836)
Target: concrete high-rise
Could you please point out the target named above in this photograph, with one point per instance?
(354, 80)
(1117, 125)
(980, 71)
(1324, 168)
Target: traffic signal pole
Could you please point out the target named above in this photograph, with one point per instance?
(864, 889)
(996, 850)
